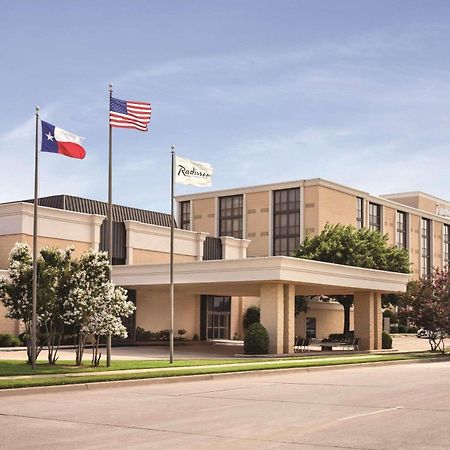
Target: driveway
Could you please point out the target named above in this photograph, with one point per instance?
(201, 350)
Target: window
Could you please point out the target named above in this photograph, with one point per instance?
(185, 215)
(426, 247)
(446, 239)
(375, 217)
(230, 216)
(286, 221)
(359, 212)
(402, 230)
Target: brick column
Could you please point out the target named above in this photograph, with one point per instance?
(289, 318)
(364, 308)
(378, 320)
(272, 312)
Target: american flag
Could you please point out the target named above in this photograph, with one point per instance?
(124, 114)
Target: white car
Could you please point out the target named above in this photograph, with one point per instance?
(422, 333)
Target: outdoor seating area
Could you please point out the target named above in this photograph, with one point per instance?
(303, 344)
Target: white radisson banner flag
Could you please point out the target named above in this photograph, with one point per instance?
(194, 173)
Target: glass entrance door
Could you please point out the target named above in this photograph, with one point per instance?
(311, 327)
(218, 317)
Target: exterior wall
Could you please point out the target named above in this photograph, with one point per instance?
(436, 233)
(336, 207)
(238, 307)
(236, 318)
(329, 319)
(412, 201)
(8, 242)
(311, 210)
(148, 243)
(258, 222)
(153, 311)
(414, 244)
(204, 215)
(389, 223)
(9, 326)
(152, 257)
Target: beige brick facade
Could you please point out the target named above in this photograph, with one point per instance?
(325, 202)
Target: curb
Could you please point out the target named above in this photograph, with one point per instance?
(97, 385)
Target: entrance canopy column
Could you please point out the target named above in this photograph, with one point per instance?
(277, 303)
(368, 319)
(289, 317)
(272, 314)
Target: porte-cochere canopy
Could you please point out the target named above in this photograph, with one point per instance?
(276, 281)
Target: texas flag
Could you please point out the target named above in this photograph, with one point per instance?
(56, 140)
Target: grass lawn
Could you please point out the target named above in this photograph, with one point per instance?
(180, 368)
(17, 368)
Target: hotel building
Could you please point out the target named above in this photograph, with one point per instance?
(232, 250)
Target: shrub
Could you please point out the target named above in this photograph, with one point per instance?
(252, 315)
(401, 329)
(140, 334)
(386, 340)
(339, 337)
(256, 340)
(8, 340)
(411, 330)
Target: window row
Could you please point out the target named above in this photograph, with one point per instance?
(286, 224)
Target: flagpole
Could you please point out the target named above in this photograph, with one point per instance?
(35, 220)
(110, 223)
(172, 287)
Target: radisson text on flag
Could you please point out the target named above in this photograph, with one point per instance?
(57, 140)
(127, 114)
(193, 173)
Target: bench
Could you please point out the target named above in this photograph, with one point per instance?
(351, 344)
(328, 346)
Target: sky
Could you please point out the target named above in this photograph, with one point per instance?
(356, 92)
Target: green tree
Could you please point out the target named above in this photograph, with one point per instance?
(55, 269)
(346, 245)
(427, 303)
(95, 306)
(16, 290)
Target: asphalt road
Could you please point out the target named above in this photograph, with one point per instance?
(389, 407)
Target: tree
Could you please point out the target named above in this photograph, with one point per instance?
(95, 305)
(16, 290)
(346, 245)
(301, 304)
(55, 268)
(427, 303)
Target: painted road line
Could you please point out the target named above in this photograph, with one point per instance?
(370, 413)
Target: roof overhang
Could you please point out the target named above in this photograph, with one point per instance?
(245, 276)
